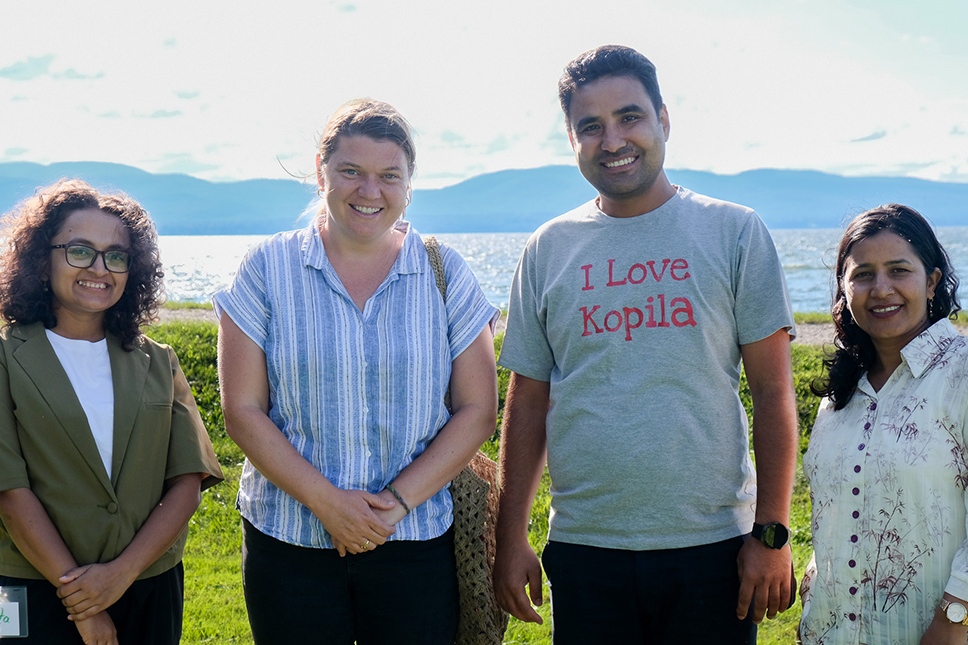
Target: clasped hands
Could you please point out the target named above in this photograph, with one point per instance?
(86, 592)
(359, 521)
(92, 588)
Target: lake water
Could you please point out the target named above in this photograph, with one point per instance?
(196, 266)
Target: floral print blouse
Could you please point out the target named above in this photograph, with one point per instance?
(887, 480)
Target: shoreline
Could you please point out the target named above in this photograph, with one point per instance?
(815, 334)
(807, 334)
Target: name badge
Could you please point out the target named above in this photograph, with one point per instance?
(13, 612)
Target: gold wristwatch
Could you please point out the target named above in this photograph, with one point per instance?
(955, 612)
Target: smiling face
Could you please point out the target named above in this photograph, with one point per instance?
(619, 142)
(366, 184)
(887, 289)
(81, 296)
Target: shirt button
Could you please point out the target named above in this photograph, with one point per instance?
(369, 454)
(112, 508)
(861, 446)
(853, 591)
(855, 514)
(873, 407)
(856, 491)
(851, 563)
(853, 538)
(857, 469)
(852, 616)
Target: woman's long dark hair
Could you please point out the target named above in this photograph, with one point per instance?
(854, 353)
(27, 232)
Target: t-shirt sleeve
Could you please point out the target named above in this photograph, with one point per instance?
(246, 299)
(13, 469)
(762, 303)
(526, 350)
(468, 310)
(189, 449)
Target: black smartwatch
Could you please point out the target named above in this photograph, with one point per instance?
(773, 535)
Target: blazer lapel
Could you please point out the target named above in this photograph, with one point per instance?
(40, 363)
(129, 371)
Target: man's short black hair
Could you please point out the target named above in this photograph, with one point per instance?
(608, 60)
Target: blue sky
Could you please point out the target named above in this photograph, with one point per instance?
(227, 91)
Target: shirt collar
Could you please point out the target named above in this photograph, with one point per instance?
(408, 261)
(930, 345)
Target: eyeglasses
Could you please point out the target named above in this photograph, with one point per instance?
(83, 257)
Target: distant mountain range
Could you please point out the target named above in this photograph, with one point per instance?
(505, 201)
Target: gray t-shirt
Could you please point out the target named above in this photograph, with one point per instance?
(637, 324)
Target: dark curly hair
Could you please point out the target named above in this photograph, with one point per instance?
(26, 234)
(855, 353)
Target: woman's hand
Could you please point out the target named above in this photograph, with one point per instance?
(350, 517)
(942, 631)
(98, 630)
(92, 588)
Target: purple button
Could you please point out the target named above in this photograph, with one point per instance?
(867, 426)
(873, 407)
(853, 591)
(855, 514)
(856, 491)
(857, 468)
(862, 446)
(853, 538)
(851, 564)
(852, 616)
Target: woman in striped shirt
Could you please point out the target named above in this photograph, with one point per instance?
(336, 350)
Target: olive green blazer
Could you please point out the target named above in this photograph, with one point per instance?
(46, 445)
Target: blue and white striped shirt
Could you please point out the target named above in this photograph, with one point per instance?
(359, 394)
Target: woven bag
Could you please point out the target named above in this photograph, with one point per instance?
(475, 494)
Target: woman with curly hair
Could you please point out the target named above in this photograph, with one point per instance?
(103, 453)
(888, 457)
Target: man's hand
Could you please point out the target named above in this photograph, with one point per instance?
(516, 567)
(765, 580)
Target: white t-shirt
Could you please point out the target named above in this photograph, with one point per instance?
(89, 368)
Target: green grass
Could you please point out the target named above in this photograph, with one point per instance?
(811, 317)
(187, 305)
(214, 605)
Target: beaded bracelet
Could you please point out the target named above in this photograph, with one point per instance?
(399, 499)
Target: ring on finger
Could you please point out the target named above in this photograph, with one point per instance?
(364, 546)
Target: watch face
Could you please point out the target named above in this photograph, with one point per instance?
(775, 535)
(956, 612)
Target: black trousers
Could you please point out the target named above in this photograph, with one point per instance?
(149, 612)
(680, 596)
(400, 593)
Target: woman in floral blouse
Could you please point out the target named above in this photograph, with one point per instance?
(887, 458)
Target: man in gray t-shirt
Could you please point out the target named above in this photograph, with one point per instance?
(628, 321)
